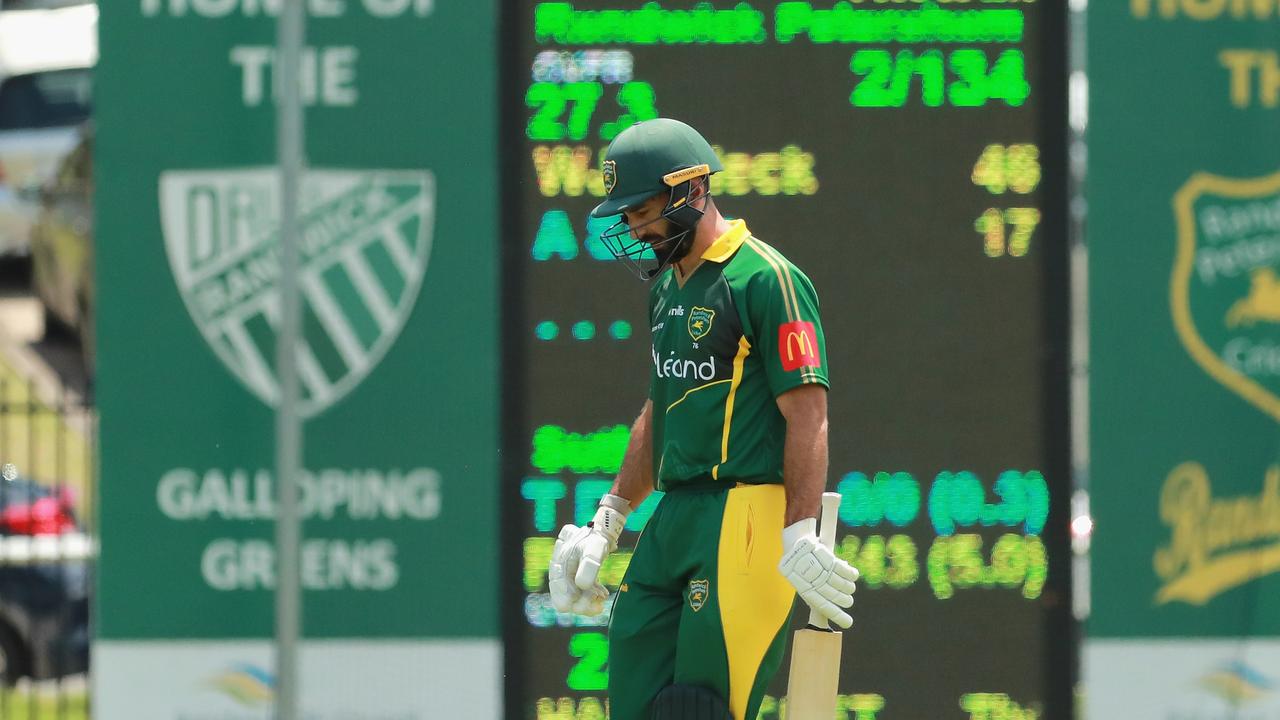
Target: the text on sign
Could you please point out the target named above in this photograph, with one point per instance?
(328, 74)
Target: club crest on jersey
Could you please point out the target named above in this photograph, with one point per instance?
(610, 172)
(700, 320)
(699, 591)
(363, 245)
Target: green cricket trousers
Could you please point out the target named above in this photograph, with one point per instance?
(702, 602)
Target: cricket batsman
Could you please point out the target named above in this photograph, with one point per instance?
(734, 432)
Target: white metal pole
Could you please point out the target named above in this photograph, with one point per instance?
(290, 156)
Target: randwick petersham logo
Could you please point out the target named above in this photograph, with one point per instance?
(1215, 544)
(699, 590)
(700, 320)
(365, 238)
(610, 173)
(1225, 292)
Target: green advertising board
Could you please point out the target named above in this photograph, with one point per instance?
(398, 364)
(1184, 358)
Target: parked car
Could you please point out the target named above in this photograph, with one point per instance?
(46, 60)
(62, 247)
(44, 606)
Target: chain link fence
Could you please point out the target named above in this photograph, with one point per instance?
(47, 509)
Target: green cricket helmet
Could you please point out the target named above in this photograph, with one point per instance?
(645, 160)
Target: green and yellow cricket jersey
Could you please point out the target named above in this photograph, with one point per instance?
(741, 330)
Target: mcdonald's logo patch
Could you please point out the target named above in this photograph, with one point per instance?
(798, 345)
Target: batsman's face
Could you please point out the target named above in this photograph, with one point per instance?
(646, 221)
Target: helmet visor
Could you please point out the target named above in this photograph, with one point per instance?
(644, 258)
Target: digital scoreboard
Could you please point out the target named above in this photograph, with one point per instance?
(909, 157)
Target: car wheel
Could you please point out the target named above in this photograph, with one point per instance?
(13, 657)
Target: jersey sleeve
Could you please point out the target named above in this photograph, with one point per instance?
(783, 309)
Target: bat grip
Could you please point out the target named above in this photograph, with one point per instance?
(826, 536)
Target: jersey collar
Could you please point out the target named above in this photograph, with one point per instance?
(727, 244)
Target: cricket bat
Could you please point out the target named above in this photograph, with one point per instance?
(815, 650)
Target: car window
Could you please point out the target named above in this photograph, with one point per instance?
(46, 99)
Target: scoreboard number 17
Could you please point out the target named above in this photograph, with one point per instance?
(1020, 223)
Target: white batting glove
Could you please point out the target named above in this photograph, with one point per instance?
(578, 555)
(824, 581)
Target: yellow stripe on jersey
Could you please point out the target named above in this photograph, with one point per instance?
(807, 373)
(790, 285)
(744, 349)
(789, 301)
(782, 283)
(694, 390)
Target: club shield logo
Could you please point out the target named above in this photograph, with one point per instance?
(1225, 289)
(699, 591)
(364, 242)
(610, 175)
(700, 320)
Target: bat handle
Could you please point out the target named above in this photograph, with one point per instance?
(827, 525)
(826, 536)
